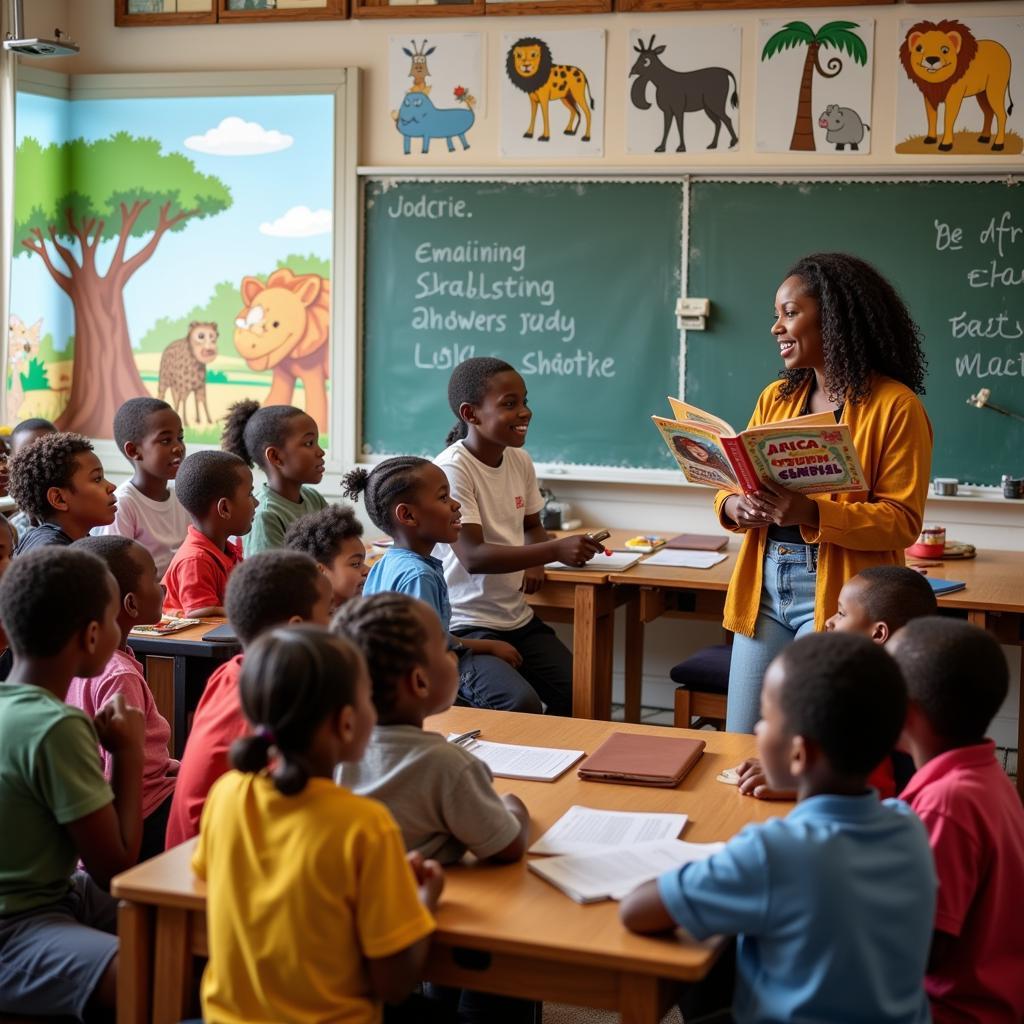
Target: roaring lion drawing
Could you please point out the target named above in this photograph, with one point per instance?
(284, 327)
(530, 68)
(949, 65)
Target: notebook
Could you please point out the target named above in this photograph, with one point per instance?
(168, 624)
(942, 587)
(642, 760)
(591, 829)
(614, 562)
(514, 761)
(223, 632)
(698, 542)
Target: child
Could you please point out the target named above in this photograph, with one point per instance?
(269, 589)
(833, 904)
(408, 498)
(875, 603)
(8, 542)
(284, 442)
(957, 679)
(215, 489)
(139, 604)
(313, 911)
(148, 433)
(333, 538)
(21, 437)
(58, 941)
(502, 547)
(58, 482)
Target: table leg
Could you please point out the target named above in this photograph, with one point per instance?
(588, 660)
(643, 999)
(634, 659)
(134, 963)
(172, 984)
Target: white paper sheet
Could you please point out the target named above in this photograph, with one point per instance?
(615, 562)
(686, 559)
(611, 874)
(588, 830)
(511, 761)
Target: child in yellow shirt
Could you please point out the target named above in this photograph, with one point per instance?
(313, 910)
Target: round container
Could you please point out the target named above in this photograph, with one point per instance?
(946, 486)
(1013, 488)
(931, 543)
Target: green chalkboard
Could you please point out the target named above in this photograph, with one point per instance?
(573, 283)
(965, 290)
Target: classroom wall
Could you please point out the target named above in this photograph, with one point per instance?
(363, 45)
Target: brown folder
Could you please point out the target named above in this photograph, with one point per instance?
(642, 760)
(697, 542)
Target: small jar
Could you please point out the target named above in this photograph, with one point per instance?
(1012, 487)
(933, 536)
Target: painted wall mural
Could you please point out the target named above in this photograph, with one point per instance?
(186, 255)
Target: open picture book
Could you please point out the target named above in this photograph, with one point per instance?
(812, 454)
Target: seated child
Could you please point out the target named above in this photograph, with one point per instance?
(957, 679)
(58, 482)
(333, 538)
(874, 603)
(269, 589)
(502, 548)
(21, 437)
(833, 904)
(314, 910)
(285, 443)
(133, 570)
(409, 499)
(149, 434)
(8, 542)
(215, 489)
(441, 795)
(58, 928)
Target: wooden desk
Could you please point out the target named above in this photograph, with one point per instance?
(500, 928)
(177, 667)
(993, 600)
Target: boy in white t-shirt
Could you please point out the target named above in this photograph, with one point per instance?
(149, 434)
(502, 548)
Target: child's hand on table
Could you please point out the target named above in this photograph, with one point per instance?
(429, 877)
(578, 549)
(753, 782)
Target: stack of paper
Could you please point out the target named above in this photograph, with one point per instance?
(511, 761)
(612, 874)
(588, 830)
(686, 559)
(617, 561)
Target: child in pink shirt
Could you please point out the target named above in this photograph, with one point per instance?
(141, 599)
(957, 679)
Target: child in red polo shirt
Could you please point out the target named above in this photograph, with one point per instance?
(957, 679)
(215, 489)
(270, 589)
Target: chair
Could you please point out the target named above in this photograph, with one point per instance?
(703, 685)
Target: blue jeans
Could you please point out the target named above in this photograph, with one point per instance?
(786, 612)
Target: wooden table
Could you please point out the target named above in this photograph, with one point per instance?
(177, 667)
(993, 600)
(500, 928)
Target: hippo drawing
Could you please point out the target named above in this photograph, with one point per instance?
(418, 118)
(845, 128)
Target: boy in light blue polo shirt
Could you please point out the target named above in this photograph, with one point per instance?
(832, 905)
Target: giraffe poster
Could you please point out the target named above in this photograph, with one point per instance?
(171, 268)
(814, 86)
(435, 92)
(552, 94)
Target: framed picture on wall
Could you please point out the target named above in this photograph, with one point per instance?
(164, 12)
(417, 8)
(531, 7)
(280, 10)
(732, 5)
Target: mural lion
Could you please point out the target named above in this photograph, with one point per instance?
(949, 65)
(529, 67)
(284, 327)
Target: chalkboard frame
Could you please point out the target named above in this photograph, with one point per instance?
(605, 474)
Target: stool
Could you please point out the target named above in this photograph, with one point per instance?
(703, 685)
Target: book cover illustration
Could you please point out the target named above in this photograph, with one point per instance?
(811, 460)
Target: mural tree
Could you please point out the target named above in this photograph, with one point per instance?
(835, 34)
(72, 197)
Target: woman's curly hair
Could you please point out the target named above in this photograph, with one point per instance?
(865, 328)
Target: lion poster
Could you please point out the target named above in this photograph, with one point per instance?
(552, 94)
(957, 81)
(178, 247)
(814, 86)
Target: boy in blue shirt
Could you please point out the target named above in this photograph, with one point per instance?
(833, 905)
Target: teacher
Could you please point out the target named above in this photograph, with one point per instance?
(849, 346)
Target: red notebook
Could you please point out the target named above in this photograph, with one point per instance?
(697, 542)
(642, 760)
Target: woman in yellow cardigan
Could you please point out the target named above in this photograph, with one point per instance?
(848, 345)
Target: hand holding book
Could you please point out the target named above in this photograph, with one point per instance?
(783, 507)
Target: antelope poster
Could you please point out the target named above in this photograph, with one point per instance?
(814, 85)
(684, 90)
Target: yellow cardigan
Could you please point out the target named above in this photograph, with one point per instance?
(893, 438)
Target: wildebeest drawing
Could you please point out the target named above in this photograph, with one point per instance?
(683, 92)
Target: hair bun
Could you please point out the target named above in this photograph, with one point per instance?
(354, 482)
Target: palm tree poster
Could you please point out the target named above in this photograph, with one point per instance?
(684, 90)
(178, 247)
(814, 87)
